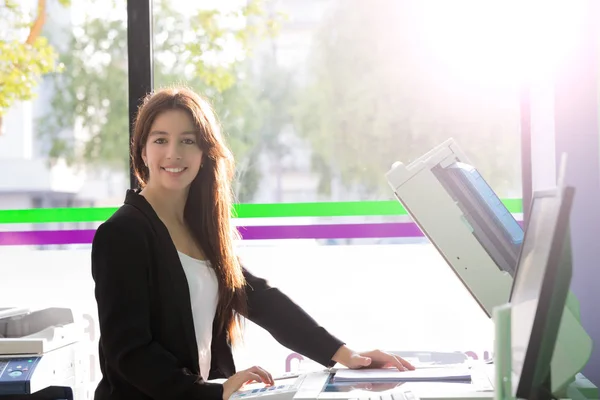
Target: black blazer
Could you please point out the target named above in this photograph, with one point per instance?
(147, 344)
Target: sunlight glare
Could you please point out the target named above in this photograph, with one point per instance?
(500, 43)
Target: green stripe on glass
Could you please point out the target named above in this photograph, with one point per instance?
(325, 209)
(275, 210)
(55, 215)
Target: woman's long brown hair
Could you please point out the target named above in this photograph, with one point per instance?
(208, 207)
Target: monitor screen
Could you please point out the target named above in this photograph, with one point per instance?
(537, 298)
(528, 280)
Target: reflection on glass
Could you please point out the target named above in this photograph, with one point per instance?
(356, 388)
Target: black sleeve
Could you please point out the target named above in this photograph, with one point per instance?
(120, 266)
(289, 324)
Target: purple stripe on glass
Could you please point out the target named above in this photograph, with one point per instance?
(337, 231)
(46, 237)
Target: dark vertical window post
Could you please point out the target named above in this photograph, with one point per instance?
(139, 56)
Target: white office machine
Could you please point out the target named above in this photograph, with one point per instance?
(463, 218)
(428, 382)
(40, 355)
(285, 388)
(464, 381)
(480, 240)
(394, 385)
(322, 384)
(319, 385)
(529, 331)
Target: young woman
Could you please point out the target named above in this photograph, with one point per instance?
(169, 288)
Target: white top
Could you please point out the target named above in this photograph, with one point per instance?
(204, 294)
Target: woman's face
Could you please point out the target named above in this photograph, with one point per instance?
(171, 153)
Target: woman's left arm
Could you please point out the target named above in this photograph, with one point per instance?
(288, 323)
(291, 326)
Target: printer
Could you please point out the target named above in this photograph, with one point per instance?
(481, 241)
(40, 354)
(464, 220)
(327, 384)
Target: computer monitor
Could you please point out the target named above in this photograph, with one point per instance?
(539, 293)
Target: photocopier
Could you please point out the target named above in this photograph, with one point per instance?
(482, 242)
(40, 354)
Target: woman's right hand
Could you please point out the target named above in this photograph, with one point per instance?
(254, 374)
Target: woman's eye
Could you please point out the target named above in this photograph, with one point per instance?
(189, 141)
(160, 141)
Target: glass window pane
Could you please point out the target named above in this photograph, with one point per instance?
(66, 145)
(317, 111)
(317, 98)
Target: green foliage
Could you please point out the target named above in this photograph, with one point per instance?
(188, 49)
(22, 61)
(21, 65)
(375, 97)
